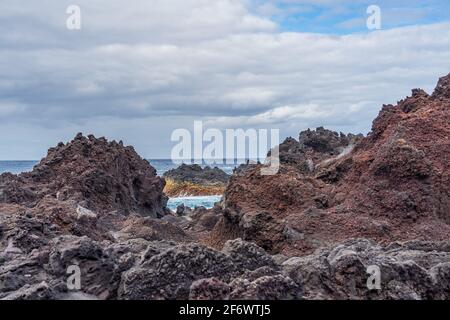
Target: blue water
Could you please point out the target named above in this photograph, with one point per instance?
(16, 166)
(160, 165)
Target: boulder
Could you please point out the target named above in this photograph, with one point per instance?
(170, 274)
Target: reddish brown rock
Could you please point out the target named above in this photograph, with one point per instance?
(87, 187)
(393, 185)
(102, 176)
(442, 90)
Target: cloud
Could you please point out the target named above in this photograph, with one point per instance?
(119, 21)
(273, 117)
(166, 63)
(8, 108)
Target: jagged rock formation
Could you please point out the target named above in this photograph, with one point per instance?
(298, 234)
(391, 185)
(442, 90)
(194, 180)
(99, 175)
(88, 187)
(409, 271)
(196, 174)
(315, 147)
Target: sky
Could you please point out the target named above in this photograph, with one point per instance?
(139, 69)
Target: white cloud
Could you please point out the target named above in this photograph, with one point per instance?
(273, 117)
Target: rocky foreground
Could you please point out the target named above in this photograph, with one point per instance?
(340, 204)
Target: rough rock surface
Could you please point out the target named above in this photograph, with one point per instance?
(140, 269)
(88, 187)
(98, 175)
(174, 273)
(391, 185)
(196, 174)
(412, 270)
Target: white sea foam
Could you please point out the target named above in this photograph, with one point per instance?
(192, 202)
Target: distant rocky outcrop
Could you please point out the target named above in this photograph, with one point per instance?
(391, 185)
(194, 180)
(315, 147)
(196, 174)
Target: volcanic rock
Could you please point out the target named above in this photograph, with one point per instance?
(412, 270)
(170, 274)
(197, 272)
(102, 176)
(389, 186)
(209, 289)
(442, 90)
(196, 174)
(315, 147)
(88, 187)
(195, 181)
(140, 269)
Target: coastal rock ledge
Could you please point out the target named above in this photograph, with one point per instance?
(193, 180)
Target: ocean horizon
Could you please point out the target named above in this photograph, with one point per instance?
(161, 166)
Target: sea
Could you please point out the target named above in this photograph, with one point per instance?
(161, 166)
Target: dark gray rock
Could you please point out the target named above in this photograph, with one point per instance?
(247, 255)
(406, 271)
(170, 274)
(198, 175)
(315, 147)
(209, 289)
(98, 269)
(276, 287)
(40, 291)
